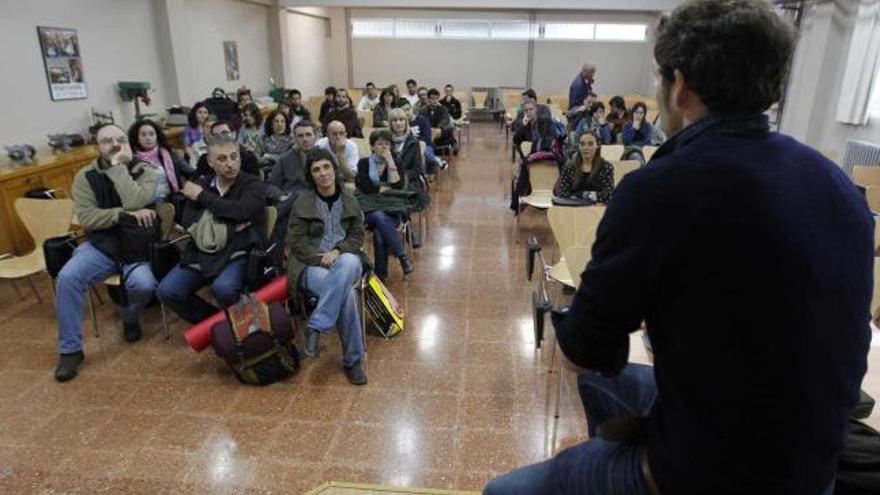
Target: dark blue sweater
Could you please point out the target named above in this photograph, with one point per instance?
(750, 258)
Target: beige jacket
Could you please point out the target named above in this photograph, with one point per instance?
(135, 194)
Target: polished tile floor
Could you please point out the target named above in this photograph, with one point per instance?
(461, 395)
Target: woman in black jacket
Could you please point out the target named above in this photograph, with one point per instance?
(382, 111)
(586, 174)
(376, 174)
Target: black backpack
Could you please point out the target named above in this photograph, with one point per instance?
(264, 356)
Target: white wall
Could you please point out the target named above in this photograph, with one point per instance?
(199, 28)
(306, 52)
(624, 67)
(118, 43)
(817, 72)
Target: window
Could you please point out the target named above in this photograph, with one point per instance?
(568, 31)
(874, 103)
(415, 28)
(621, 32)
(372, 28)
(464, 29)
(511, 30)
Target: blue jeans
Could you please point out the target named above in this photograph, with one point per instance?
(87, 267)
(385, 238)
(178, 289)
(337, 304)
(431, 163)
(597, 466)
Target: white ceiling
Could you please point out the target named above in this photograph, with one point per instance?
(618, 5)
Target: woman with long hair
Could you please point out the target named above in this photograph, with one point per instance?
(384, 108)
(586, 174)
(193, 132)
(150, 146)
(278, 139)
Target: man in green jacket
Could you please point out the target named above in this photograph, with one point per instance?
(103, 192)
(325, 236)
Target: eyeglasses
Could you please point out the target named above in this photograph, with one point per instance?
(110, 141)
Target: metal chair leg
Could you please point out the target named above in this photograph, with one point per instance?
(92, 311)
(34, 289)
(559, 389)
(165, 323)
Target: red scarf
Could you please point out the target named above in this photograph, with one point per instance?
(152, 157)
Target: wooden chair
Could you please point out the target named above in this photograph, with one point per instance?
(43, 219)
(612, 152)
(866, 175)
(572, 226)
(648, 152)
(366, 119)
(363, 145)
(623, 167)
(872, 195)
(542, 177)
(480, 99)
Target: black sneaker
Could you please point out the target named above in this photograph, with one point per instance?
(132, 332)
(313, 343)
(68, 366)
(406, 265)
(355, 374)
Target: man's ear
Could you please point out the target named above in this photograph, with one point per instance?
(680, 94)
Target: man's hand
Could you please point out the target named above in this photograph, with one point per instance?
(327, 259)
(242, 226)
(191, 190)
(145, 217)
(123, 156)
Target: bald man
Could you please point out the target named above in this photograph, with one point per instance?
(344, 150)
(582, 85)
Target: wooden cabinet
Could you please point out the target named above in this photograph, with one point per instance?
(50, 170)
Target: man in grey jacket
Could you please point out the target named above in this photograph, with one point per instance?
(103, 192)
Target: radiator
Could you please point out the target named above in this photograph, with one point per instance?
(862, 153)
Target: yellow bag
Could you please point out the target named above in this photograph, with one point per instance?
(383, 309)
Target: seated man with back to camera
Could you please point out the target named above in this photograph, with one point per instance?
(325, 236)
(103, 193)
(226, 217)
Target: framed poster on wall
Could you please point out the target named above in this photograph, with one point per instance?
(230, 55)
(63, 61)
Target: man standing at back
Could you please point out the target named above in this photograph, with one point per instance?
(582, 85)
(749, 257)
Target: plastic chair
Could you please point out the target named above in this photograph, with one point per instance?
(43, 219)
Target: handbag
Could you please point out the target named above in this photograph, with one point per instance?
(382, 308)
(57, 251)
(164, 256)
(135, 239)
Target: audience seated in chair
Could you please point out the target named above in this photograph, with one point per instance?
(370, 99)
(638, 132)
(328, 104)
(406, 145)
(103, 192)
(250, 135)
(278, 139)
(225, 216)
(385, 106)
(618, 116)
(249, 162)
(325, 237)
(243, 98)
(586, 174)
(412, 94)
(438, 116)
(536, 126)
(298, 111)
(343, 150)
(421, 128)
(345, 113)
(422, 102)
(150, 146)
(450, 102)
(198, 148)
(376, 174)
(193, 131)
(582, 115)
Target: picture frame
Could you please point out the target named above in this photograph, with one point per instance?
(230, 57)
(62, 59)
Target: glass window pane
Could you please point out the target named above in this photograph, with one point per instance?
(568, 31)
(511, 30)
(372, 28)
(414, 28)
(464, 29)
(621, 32)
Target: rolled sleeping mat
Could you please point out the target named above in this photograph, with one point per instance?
(198, 336)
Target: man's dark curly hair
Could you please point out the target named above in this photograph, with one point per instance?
(734, 54)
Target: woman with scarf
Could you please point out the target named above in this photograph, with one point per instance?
(150, 146)
(376, 174)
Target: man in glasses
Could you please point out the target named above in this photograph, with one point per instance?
(103, 194)
(249, 161)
